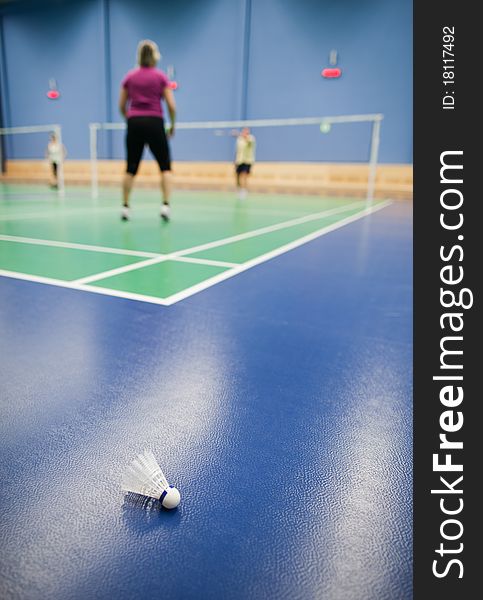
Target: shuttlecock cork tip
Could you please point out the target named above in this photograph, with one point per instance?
(170, 498)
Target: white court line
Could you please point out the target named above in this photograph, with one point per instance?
(272, 254)
(147, 263)
(203, 261)
(215, 244)
(68, 211)
(109, 250)
(268, 229)
(33, 196)
(75, 246)
(174, 298)
(65, 212)
(83, 288)
(119, 270)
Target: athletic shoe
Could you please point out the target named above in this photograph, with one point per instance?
(125, 213)
(242, 194)
(165, 212)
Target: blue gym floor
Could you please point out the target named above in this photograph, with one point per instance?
(278, 401)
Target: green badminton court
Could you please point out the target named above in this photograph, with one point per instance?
(80, 243)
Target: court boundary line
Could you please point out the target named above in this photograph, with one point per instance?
(75, 246)
(217, 243)
(181, 255)
(267, 229)
(204, 261)
(272, 254)
(207, 283)
(120, 270)
(109, 250)
(183, 251)
(76, 211)
(82, 288)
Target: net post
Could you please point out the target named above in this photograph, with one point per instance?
(371, 180)
(60, 176)
(93, 127)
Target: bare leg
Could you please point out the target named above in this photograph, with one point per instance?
(243, 180)
(242, 189)
(127, 182)
(166, 181)
(126, 188)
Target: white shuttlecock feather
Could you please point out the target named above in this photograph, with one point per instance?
(144, 476)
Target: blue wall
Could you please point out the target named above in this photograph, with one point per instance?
(204, 41)
(64, 41)
(233, 59)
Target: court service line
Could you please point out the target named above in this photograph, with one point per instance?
(269, 229)
(203, 261)
(76, 246)
(170, 300)
(147, 263)
(208, 245)
(65, 212)
(41, 195)
(83, 288)
(108, 250)
(272, 254)
(120, 270)
(152, 261)
(68, 211)
(222, 242)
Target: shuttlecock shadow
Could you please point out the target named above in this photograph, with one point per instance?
(142, 514)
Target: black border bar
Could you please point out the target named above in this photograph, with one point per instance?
(447, 247)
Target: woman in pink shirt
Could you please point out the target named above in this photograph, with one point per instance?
(142, 91)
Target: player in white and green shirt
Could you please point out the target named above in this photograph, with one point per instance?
(245, 158)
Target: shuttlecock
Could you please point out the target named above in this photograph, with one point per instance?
(144, 476)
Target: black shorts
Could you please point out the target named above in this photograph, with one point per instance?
(243, 168)
(54, 168)
(150, 131)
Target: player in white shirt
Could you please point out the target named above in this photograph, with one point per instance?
(55, 154)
